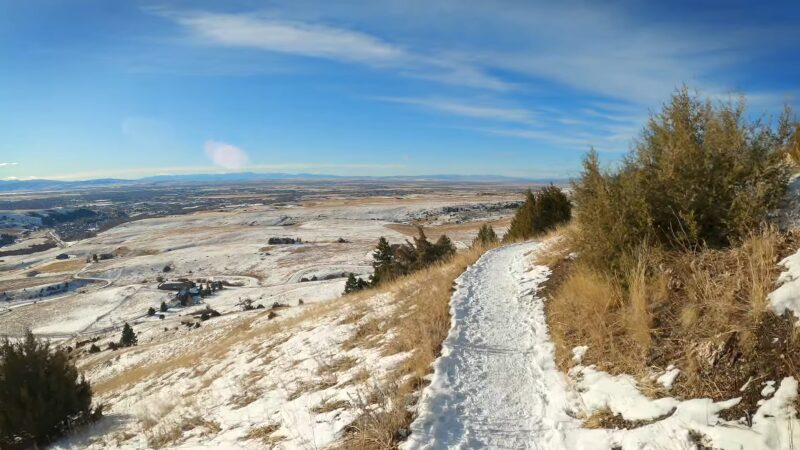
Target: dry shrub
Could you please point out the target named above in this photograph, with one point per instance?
(424, 300)
(700, 174)
(704, 311)
(380, 421)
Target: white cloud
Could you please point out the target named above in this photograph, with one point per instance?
(299, 38)
(333, 43)
(4, 164)
(462, 108)
(226, 155)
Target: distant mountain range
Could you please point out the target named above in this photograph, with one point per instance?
(44, 185)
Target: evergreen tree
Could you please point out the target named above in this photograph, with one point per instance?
(128, 337)
(486, 236)
(551, 209)
(351, 285)
(406, 257)
(151, 311)
(426, 251)
(522, 223)
(541, 212)
(354, 284)
(41, 394)
(383, 260)
(444, 248)
(164, 307)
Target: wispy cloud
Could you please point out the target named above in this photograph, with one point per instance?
(466, 109)
(5, 164)
(240, 30)
(293, 37)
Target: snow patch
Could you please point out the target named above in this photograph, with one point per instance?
(668, 377)
(787, 296)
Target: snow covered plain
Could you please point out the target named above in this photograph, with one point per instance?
(290, 377)
(230, 245)
(496, 384)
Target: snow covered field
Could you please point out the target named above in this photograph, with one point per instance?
(293, 375)
(496, 384)
(337, 238)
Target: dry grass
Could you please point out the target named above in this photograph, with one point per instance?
(424, 299)
(704, 311)
(321, 384)
(247, 330)
(27, 283)
(330, 405)
(262, 433)
(162, 431)
(248, 394)
(338, 365)
(368, 334)
(71, 265)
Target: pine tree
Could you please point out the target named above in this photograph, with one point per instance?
(383, 260)
(351, 285)
(551, 209)
(486, 236)
(522, 223)
(541, 212)
(426, 251)
(354, 284)
(151, 311)
(444, 248)
(128, 337)
(41, 394)
(164, 307)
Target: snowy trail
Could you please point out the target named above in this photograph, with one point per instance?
(496, 384)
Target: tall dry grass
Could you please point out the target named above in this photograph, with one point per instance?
(705, 311)
(613, 315)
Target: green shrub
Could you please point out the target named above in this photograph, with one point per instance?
(392, 261)
(699, 175)
(541, 212)
(354, 284)
(128, 337)
(486, 236)
(41, 395)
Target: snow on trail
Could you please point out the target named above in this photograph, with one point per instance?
(496, 384)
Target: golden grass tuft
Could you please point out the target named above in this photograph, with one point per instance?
(703, 310)
(262, 433)
(330, 405)
(338, 365)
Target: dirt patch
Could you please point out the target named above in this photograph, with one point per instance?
(72, 265)
(25, 283)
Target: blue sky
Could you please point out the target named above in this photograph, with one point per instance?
(99, 88)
